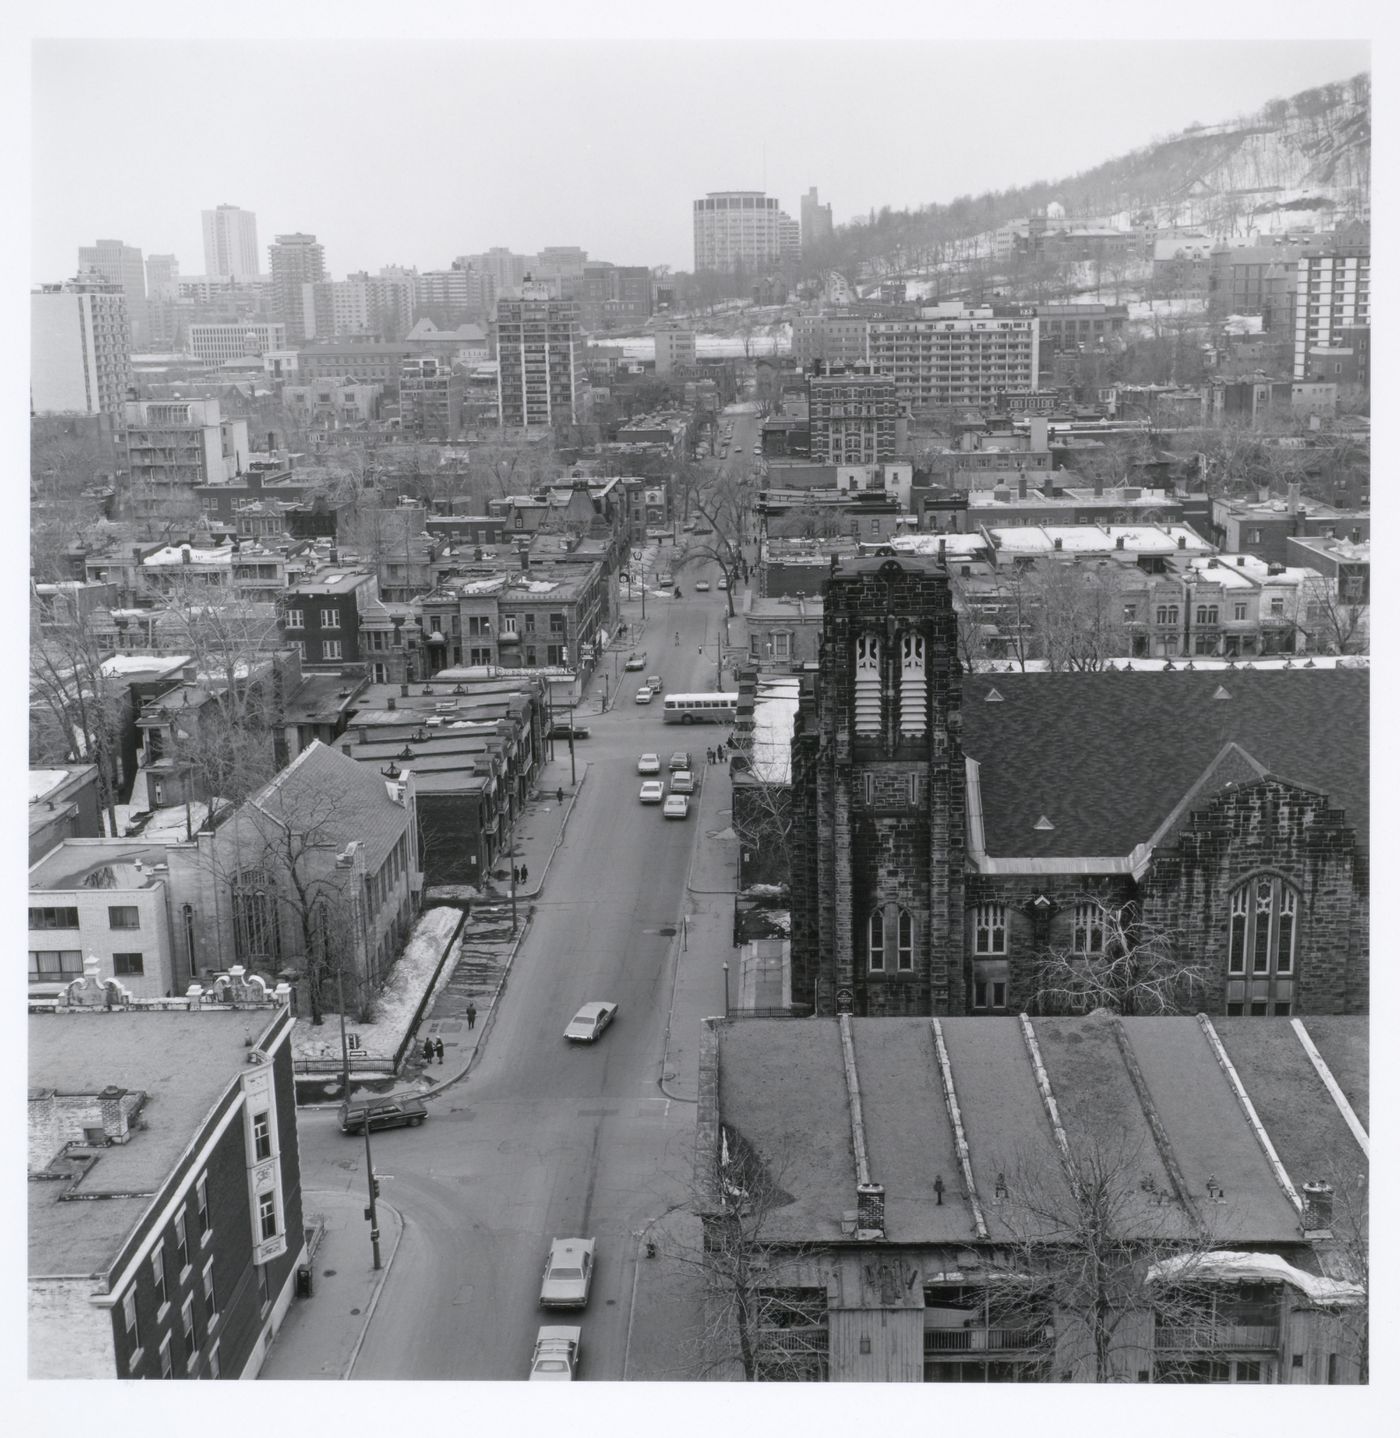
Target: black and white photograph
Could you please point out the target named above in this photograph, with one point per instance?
(699, 715)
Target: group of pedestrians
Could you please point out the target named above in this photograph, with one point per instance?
(716, 755)
(521, 872)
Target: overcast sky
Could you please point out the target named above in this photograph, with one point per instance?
(413, 152)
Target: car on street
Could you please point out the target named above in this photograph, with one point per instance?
(653, 792)
(649, 764)
(721, 583)
(589, 1022)
(568, 1273)
(644, 694)
(563, 729)
(702, 586)
(677, 806)
(679, 760)
(556, 1354)
(387, 1112)
(654, 683)
(683, 782)
(636, 661)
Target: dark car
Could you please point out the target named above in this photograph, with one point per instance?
(561, 729)
(390, 1112)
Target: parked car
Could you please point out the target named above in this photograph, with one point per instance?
(589, 1022)
(568, 1273)
(562, 729)
(721, 583)
(654, 683)
(636, 661)
(556, 1354)
(683, 782)
(644, 694)
(679, 760)
(649, 764)
(677, 806)
(653, 792)
(702, 585)
(388, 1112)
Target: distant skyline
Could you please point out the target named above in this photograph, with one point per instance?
(413, 153)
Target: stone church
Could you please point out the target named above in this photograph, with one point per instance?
(949, 830)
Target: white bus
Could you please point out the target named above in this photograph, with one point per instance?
(700, 708)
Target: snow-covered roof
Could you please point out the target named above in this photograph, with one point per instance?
(43, 781)
(174, 554)
(959, 544)
(1091, 538)
(120, 664)
(1227, 1265)
(775, 711)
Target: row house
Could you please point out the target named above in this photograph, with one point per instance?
(911, 1249)
(179, 1118)
(1263, 525)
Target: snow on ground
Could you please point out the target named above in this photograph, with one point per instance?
(707, 346)
(1146, 309)
(165, 826)
(397, 1002)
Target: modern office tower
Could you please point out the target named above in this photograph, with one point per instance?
(611, 296)
(80, 348)
(536, 344)
(816, 218)
(177, 444)
(953, 355)
(737, 228)
(230, 243)
(506, 269)
(789, 238)
(294, 260)
(162, 277)
(120, 264)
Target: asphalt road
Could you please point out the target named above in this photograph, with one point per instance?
(546, 1139)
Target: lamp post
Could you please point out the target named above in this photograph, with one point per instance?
(726, 990)
(372, 1212)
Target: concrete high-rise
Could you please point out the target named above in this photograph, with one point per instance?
(295, 260)
(737, 229)
(537, 353)
(816, 218)
(120, 264)
(230, 243)
(80, 348)
(1332, 316)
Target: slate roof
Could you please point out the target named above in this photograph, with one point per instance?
(323, 787)
(1107, 757)
(782, 1092)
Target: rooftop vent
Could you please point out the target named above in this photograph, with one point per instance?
(993, 696)
(1043, 823)
(1222, 693)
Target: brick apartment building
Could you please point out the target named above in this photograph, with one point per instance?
(950, 829)
(853, 417)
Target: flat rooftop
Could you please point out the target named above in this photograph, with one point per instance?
(183, 1061)
(70, 865)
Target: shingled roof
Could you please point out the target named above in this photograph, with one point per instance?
(1107, 757)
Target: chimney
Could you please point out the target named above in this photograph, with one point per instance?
(1356, 536)
(1263, 494)
(1181, 541)
(1294, 495)
(1121, 542)
(184, 554)
(1059, 543)
(1317, 1209)
(1039, 432)
(392, 702)
(965, 442)
(942, 550)
(403, 691)
(1021, 487)
(1098, 486)
(870, 1210)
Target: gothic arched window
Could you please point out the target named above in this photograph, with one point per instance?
(913, 686)
(1263, 947)
(255, 915)
(875, 942)
(867, 690)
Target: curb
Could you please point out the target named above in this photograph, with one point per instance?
(563, 829)
(378, 1289)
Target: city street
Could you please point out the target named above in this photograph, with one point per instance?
(544, 1139)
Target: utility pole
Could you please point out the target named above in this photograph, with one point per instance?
(372, 1212)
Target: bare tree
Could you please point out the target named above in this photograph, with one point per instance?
(1335, 623)
(1118, 961)
(726, 506)
(1077, 614)
(762, 819)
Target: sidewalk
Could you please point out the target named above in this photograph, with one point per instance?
(321, 1336)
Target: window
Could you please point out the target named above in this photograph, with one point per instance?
(782, 646)
(1241, 611)
(262, 1135)
(123, 916)
(1088, 928)
(330, 649)
(1130, 613)
(1263, 947)
(1276, 608)
(255, 931)
(264, 1294)
(201, 1199)
(53, 919)
(905, 956)
(50, 964)
(913, 691)
(267, 1214)
(1168, 614)
(989, 984)
(330, 619)
(128, 965)
(133, 1333)
(989, 929)
(300, 648)
(867, 689)
(296, 619)
(182, 1242)
(875, 942)
(167, 1368)
(1207, 614)
(868, 785)
(211, 1305)
(187, 1332)
(158, 1276)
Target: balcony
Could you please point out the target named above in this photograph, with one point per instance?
(984, 1340)
(1217, 1337)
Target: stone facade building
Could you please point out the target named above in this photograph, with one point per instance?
(950, 831)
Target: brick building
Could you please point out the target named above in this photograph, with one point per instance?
(853, 417)
(179, 1118)
(950, 829)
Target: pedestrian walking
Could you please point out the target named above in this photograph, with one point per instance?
(427, 1051)
(437, 1049)
(515, 873)
(524, 873)
(559, 796)
(678, 636)
(471, 1016)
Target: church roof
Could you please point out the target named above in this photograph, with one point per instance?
(1108, 757)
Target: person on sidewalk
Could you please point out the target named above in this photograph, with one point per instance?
(559, 796)
(427, 1051)
(524, 873)
(678, 636)
(471, 1017)
(437, 1049)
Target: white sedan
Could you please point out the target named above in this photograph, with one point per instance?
(677, 806)
(702, 586)
(649, 764)
(644, 694)
(589, 1022)
(653, 792)
(556, 1354)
